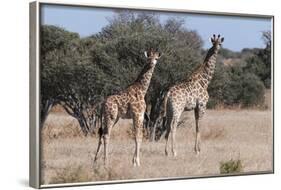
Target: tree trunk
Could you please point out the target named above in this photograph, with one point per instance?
(157, 121)
(154, 114)
(45, 108)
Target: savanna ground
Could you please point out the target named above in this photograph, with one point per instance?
(226, 134)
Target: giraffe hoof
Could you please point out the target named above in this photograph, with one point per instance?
(197, 152)
(95, 160)
(105, 163)
(136, 162)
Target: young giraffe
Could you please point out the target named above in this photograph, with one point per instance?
(191, 94)
(129, 104)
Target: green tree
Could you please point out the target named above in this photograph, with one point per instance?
(54, 42)
(252, 90)
(67, 75)
(260, 62)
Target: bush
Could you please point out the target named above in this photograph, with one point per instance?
(252, 92)
(219, 87)
(235, 85)
(260, 63)
(231, 166)
(212, 103)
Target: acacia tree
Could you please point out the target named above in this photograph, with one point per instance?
(54, 42)
(67, 76)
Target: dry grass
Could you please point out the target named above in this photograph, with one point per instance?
(244, 135)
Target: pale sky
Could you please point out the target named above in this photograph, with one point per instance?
(239, 32)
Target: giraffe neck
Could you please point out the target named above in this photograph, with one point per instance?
(144, 77)
(208, 68)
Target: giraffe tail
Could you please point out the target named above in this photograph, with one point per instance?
(100, 131)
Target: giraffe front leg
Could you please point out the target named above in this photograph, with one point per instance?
(199, 112)
(138, 125)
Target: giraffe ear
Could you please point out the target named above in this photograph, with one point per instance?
(145, 54)
(159, 55)
(222, 39)
(211, 40)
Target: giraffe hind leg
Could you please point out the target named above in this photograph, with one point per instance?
(167, 135)
(106, 138)
(173, 133)
(100, 132)
(110, 117)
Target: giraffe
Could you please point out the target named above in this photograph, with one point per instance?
(191, 94)
(128, 104)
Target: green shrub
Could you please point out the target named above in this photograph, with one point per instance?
(212, 103)
(234, 85)
(231, 166)
(252, 92)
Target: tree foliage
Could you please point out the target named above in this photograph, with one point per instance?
(67, 75)
(260, 63)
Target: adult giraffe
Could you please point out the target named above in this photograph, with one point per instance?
(191, 94)
(128, 104)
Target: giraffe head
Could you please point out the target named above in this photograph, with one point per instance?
(217, 41)
(152, 56)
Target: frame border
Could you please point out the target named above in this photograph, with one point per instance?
(34, 76)
(34, 96)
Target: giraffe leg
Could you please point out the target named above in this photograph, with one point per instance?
(138, 126)
(199, 112)
(197, 138)
(167, 135)
(173, 133)
(106, 138)
(98, 148)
